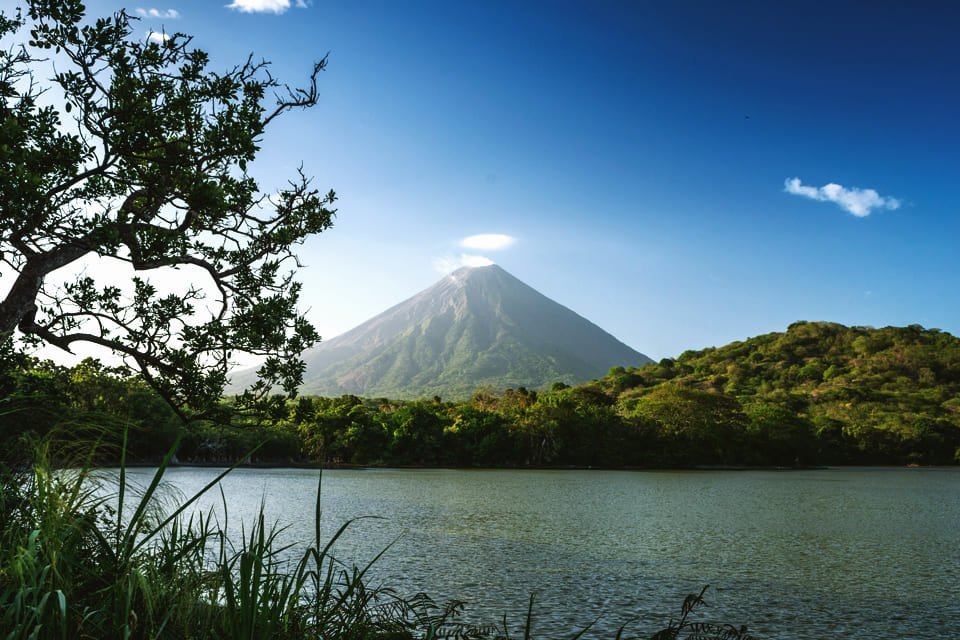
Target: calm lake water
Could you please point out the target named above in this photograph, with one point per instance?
(864, 553)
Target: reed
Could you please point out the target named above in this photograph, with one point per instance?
(82, 557)
(79, 561)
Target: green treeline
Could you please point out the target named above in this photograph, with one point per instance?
(818, 393)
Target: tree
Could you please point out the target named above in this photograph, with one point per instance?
(706, 427)
(418, 429)
(779, 434)
(137, 153)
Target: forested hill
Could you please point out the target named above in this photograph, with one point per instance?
(817, 360)
(874, 389)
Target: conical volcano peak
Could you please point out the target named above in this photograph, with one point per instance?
(478, 267)
(477, 271)
(476, 327)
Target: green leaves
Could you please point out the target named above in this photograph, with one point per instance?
(153, 180)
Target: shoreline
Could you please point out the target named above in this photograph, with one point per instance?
(310, 465)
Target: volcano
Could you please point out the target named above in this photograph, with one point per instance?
(477, 327)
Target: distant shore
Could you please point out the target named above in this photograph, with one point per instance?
(312, 465)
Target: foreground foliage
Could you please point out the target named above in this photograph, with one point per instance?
(84, 556)
(72, 568)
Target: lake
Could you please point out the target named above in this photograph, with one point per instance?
(852, 552)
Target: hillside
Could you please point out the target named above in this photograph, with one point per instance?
(878, 390)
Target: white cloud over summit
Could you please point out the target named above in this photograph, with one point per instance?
(488, 241)
(859, 202)
(478, 242)
(448, 264)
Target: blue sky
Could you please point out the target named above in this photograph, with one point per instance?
(638, 153)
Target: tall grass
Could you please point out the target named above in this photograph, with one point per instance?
(77, 561)
(81, 558)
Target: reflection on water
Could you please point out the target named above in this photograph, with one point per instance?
(806, 554)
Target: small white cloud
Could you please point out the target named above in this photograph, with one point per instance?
(859, 202)
(264, 6)
(163, 14)
(445, 265)
(475, 261)
(451, 263)
(156, 36)
(488, 241)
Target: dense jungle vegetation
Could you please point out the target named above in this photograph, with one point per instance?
(819, 393)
